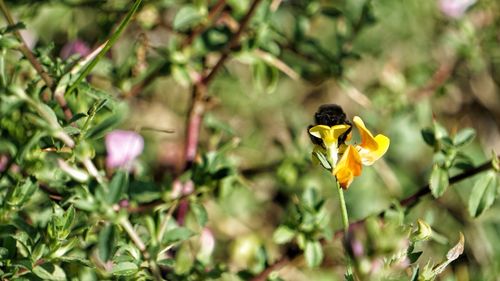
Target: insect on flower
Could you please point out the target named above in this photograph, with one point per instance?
(329, 135)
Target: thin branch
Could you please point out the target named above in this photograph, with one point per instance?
(151, 76)
(123, 24)
(406, 202)
(24, 48)
(212, 15)
(232, 43)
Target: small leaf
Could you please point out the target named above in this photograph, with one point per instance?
(322, 160)
(452, 255)
(438, 181)
(428, 136)
(177, 234)
(483, 194)
(77, 117)
(283, 234)
(313, 253)
(464, 137)
(199, 213)
(331, 12)
(105, 242)
(49, 272)
(124, 269)
(101, 128)
(413, 257)
(166, 262)
(187, 17)
(439, 131)
(117, 187)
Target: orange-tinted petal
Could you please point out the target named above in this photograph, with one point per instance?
(348, 167)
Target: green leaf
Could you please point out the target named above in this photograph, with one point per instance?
(106, 242)
(283, 234)
(483, 194)
(124, 269)
(331, 12)
(21, 193)
(187, 17)
(177, 234)
(50, 272)
(199, 213)
(117, 187)
(313, 253)
(77, 117)
(438, 181)
(428, 136)
(464, 137)
(413, 257)
(49, 115)
(439, 131)
(166, 262)
(322, 160)
(100, 129)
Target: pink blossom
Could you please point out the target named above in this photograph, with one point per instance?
(207, 245)
(123, 147)
(75, 47)
(455, 8)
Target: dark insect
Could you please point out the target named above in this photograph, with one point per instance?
(330, 115)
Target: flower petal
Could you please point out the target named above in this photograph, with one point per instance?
(370, 156)
(329, 135)
(348, 167)
(371, 148)
(367, 140)
(122, 147)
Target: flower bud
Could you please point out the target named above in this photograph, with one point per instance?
(422, 232)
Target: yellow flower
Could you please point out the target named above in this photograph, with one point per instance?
(348, 167)
(352, 156)
(330, 137)
(370, 150)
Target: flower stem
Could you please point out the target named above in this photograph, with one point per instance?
(345, 223)
(343, 209)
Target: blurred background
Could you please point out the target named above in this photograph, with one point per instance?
(397, 64)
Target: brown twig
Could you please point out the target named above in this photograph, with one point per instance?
(232, 43)
(212, 15)
(24, 48)
(35, 63)
(150, 77)
(406, 202)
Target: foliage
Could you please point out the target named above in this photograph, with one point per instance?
(214, 178)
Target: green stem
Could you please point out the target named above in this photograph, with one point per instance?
(343, 209)
(106, 48)
(345, 223)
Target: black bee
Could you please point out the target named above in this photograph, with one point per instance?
(330, 115)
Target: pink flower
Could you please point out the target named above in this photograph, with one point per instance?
(76, 47)
(123, 147)
(207, 245)
(455, 8)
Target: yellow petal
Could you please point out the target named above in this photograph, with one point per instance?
(370, 156)
(348, 167)
(367, 140)
(329, 135)
(371, 148)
